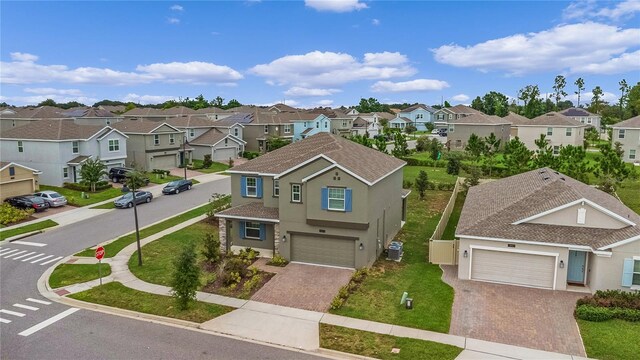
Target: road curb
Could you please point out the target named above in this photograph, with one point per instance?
(25, 235)
(342, 355)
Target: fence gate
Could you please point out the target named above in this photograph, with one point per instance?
(443, 252)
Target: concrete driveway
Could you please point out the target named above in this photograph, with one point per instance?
(514, 315)
(301, 286)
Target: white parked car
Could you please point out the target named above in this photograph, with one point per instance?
(434, 132)
(52, 198)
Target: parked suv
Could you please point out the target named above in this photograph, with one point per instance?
(28, 202)
(119, 174)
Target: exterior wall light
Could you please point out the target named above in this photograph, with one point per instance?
(284, 238)
(361, 246)
(561, 264)
(465, 254)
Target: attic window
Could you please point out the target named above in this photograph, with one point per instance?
(582, 215)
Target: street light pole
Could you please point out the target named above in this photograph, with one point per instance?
(135, 216)
(184, 155)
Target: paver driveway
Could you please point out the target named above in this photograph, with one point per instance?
(301, 286)
(514, 315)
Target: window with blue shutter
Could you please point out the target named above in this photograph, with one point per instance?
(259, 188)
(263, 232)
(12, 171)
(347, 200)
(241, 227)
(628, 275)
(324, 198)
(243, 186)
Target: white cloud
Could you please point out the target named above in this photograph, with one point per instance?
(375, 22)
(339, 6)
(624, 63)
(148, 99)
(585, 97)
(565, 47)
(289, 102)
(176, 8)
(26, 71)
(413, 85)
(298, 91)
(328, 68)
(74, 92)
(173, 21)
(460, 97)
(581, 10)
(322, 103)
(23, 57)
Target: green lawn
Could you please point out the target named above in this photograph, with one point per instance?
(73, 196)
(69, 274)
(452, 224)
(113, 248)
(379, 346)
(158, 256)
(215, 167)
(629, 193)
(117, 295)
(611, 340)
(5, 234)
(378, 298)
(438, 175)
(109, 205)
(159, 179)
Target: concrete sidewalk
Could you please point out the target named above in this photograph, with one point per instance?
(285, 326)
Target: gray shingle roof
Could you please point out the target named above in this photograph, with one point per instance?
(480, 119)
(209, 138)
(491, 209)
(137, 126)
(516, 119)
(633, 123)
(555, 119)
(255, 210)
(365, 162)
(48, 129)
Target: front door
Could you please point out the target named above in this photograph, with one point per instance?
(575, 272)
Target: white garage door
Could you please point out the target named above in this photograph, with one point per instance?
(225, 153)
(324, 251)
(513, 268)
(164, 162)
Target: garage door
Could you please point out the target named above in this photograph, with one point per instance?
(225, 153)
(22, 187)
(324, 251)
(513, 268)
(164, 162)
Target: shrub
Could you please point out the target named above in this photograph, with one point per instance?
(407, 184)
(592, 313)
(250, 155)
(248, 254)
(237, 265)
(229, 278)
(100, 185)
(359, 275)
(211, 250)
(186, 276)
(612, 299)
(252, 283)
(207, 162)
(10, 214)
(453, 166)
(277, 260)
(337, 303)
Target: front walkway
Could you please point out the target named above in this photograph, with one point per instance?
(514, 314)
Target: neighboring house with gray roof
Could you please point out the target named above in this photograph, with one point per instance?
(443, 115)
(399, 122)
(583, 116)
(460, 129)
(419, 114)
(153, 144)
(80, 115)
(316, 201)
(558, 130)
(208, 137)
(544, 229)
(58, 148)
(627, 133)
(309, 124)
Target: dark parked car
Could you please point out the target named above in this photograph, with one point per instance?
(126, 201)
(442, 132)
(119, 174)
(175, 187)
(28, 202)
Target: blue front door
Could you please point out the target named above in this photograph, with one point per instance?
(575, 272)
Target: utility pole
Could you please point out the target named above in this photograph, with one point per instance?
(184, 155)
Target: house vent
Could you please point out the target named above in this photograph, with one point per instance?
(582, 216)
(562, 178)
(546, 177)
(542, 171)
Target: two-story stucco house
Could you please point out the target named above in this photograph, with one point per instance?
(442, 116)
(558, 130)
(316, 201)
(152, 144)
(585, 117)
(460, 129)
(207, 137)
(58, 148)
(265, 125)
(399, 123)
(309, 124)
(419, 115)
(627, 133)
(548, 231)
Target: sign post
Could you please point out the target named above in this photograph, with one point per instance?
(99, 256)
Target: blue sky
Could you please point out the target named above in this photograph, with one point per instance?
(314, 52)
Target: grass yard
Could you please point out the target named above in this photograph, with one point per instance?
(611, 340)
(378, 298)
(158, 256)
(113, 248)
(215, 167)
(629, 193)
(69, 274)
(452, 224)
(117, 295)
(379, 345)
(109, 205)
(5, 234)
(73, 196)
(438, 175)
(160, 179)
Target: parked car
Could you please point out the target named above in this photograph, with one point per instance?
(442, 132)
(435, 132)
(126, 201)
(119, 174)
(52, 198)
(175, 187)
(28, 202)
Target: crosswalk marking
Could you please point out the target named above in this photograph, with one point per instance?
(4, 321)
(14, 254)
(25, 255)
(14, 313)
(2, 251)
(32, 308)
(33, 257)
(8, 252)
(52, 260)
(48, 322)
(46, 257)
(28, 243)
(39, 301)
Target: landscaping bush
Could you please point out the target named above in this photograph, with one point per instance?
(248, 255)
(10, 214)
(250, 155)
(407, 184)
(161, 172)
(593, 313)
(277, 260)
(211, 250)
(207, 162)
(186, 276)
(453, 166)
(425, 162)
(100, 185)
(356, 279)
(236, 265)
(612, 299)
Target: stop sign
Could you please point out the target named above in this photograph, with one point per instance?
(99, 253)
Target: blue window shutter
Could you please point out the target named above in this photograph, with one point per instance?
(325, 198)
(259, 187)
(627, 273)
(241, 227)
(243, 186)
(263, 232)
(347, 200)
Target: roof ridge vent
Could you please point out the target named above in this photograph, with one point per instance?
(546, 177)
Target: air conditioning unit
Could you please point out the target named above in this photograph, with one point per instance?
(395, 251)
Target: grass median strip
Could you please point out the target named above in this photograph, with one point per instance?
(117, 295)
(379, 346)
(69, 274)
(109, 205)
(113, 248)
(27, 228)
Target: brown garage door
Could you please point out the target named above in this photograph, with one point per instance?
(164, 162)
(325, 251)
(15, 188)
(513, 268)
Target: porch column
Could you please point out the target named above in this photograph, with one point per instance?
(222, 230)
(276, 239)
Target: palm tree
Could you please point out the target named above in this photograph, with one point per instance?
(93, 171)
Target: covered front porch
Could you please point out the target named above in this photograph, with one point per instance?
(250, 225)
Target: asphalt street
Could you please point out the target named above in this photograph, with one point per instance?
(88, 334)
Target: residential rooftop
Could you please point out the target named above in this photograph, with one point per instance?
(633, 123)
(53, 129)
